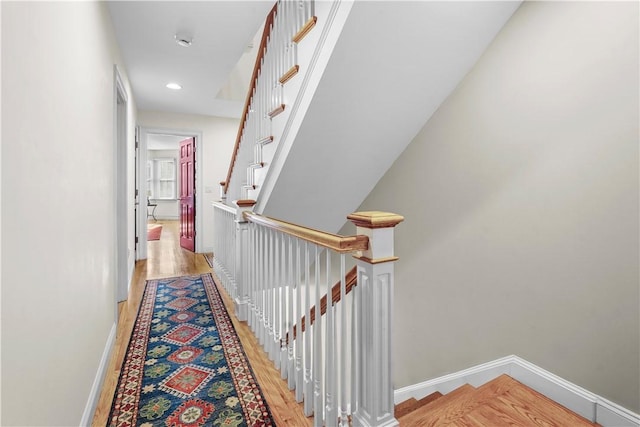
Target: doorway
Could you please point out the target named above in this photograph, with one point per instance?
(159, 180)
(121, 182)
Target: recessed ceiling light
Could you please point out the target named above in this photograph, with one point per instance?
(174, 86)
(183, 40)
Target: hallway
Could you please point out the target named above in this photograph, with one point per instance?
(168, 259)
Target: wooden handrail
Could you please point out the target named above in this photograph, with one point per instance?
(254, 78)
(351, 279)
(341, 244)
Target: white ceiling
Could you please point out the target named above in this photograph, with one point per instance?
(221, 32)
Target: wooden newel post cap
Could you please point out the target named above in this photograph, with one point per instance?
(375, 219)
(245, 203)
(223, 183)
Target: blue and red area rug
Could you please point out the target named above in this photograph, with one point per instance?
(185, 365)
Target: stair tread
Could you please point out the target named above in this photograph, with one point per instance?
(526, 405)
(429, 414)
(429, 398)
(501, 402)
(403, 408)
(412, 404)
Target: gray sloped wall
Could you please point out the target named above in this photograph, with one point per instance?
(521, 203)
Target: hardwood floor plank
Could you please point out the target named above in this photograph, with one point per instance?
(483, 417)
(528, 406)
(167, 259)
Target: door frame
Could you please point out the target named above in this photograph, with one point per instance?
(121, 182)
(142, 182)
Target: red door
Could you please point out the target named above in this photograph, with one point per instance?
(187, 194)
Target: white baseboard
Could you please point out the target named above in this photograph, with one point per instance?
(94, 393)
(583, 402)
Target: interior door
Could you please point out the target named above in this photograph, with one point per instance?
(188, 194)
(136, 195)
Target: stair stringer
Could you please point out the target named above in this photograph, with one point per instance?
(314, 53)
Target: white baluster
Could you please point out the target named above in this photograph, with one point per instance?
(269, 65)
(308, 386)
(292, 32)
(331, 414)
(300, 14)
(276, 60)
(317, 350)
(356, 346)
(254, 280)
(292, 320)
(344, 422)
(267, 291)
(225, 259)
(284, 307)
(263, 291)
(261, 287)
(251, 270)
(277, 315)
(252, 247)
(234, 255)
(269, 344)
(299, 339)
(256, 270)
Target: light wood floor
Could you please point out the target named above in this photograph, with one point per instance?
(167, 259)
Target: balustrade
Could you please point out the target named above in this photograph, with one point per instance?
(280, 277)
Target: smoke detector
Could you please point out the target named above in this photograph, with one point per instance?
(183, 40)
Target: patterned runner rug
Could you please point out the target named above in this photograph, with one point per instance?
(185, 365)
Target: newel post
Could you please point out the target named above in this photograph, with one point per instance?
(374, 320)
(223, 195)
(241, 298)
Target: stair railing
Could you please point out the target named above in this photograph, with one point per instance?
(276, 63)
(279, 274)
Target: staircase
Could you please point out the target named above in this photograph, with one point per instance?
(368, 75)
(335, 352)
(501, 402)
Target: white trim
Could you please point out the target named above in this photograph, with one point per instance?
(608, 414)
(121, 181)
(224, 207)
(586, 404)
(475, 376)
(555, 388)
(120, 83)
(142, 183)
(94, 394)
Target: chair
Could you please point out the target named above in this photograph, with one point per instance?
(153, 207)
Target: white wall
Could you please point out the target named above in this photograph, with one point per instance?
(521, 203)
(58, 212)
(218, 139)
